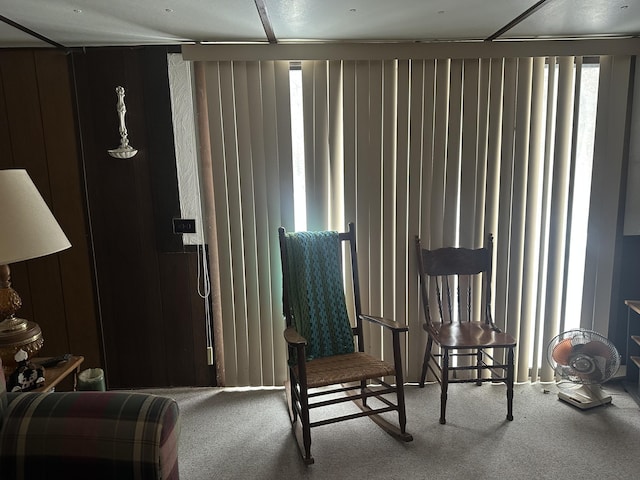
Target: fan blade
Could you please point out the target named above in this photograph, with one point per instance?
(596, 349)
(562, 351)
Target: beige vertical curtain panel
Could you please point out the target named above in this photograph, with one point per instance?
(247, 105)
(448, 149)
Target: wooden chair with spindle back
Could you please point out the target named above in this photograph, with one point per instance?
(455, 286)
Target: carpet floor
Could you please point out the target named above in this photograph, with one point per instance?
(246, 434)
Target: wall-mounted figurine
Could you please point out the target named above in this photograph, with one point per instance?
(124, 150)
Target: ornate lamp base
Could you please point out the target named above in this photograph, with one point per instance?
(15, 334)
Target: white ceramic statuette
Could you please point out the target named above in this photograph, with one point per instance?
(124, 150)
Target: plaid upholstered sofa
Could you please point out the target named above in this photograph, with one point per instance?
(87, 435)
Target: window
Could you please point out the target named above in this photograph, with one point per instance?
(456, 78)
(442, 148)
(588, 104)
(297, 141)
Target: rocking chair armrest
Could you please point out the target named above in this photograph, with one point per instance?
(293, 338)
(385, 322)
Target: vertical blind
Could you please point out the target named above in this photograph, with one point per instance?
(450, 150)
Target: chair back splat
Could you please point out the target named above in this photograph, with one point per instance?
(462, 338)
(325, 350)
(461, 278)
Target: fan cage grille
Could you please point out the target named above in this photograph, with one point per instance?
(583, 356)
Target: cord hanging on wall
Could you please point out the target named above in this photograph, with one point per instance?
(124, 150)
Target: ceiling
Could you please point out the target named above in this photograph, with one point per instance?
(87, 23)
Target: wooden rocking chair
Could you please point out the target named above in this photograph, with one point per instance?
(324, 359)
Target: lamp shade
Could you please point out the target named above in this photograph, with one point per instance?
(27, 226)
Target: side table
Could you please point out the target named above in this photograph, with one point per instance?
(56, 374)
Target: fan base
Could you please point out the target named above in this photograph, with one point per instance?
(584, 398)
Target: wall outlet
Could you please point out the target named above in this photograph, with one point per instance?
(184, 225)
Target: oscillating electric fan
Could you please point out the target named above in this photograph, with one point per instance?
(587, 359)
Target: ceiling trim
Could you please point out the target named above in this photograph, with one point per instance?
(392, 51)
(517, 20)
(28, 31)
(266, 23)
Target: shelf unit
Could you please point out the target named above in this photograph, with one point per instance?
(632, 380)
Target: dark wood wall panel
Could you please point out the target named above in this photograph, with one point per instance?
(125, 295)
(143, 275)
(38, 132)
(122, 219)
(61, 141)
(164, 180)
(183, 320)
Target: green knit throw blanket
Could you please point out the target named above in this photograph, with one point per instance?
(316, 293)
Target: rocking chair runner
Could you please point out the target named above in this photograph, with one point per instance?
(453, 274)
(320, 339)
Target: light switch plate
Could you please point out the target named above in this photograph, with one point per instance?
(184, 225)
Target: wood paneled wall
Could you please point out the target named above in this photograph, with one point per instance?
(125, 295)
(38, 133)
(152, 316)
